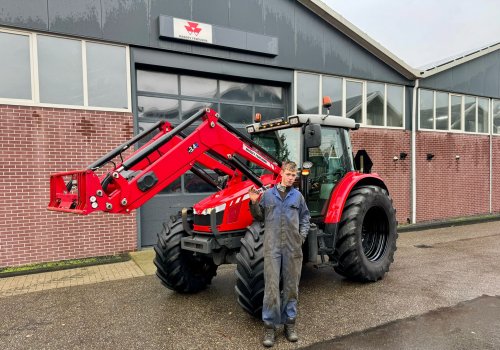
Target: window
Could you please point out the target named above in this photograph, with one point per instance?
(483, 115)
(15, 67)
(456, 112)
(444, 111)
(69, 72)
(470, 114)
(107, 83)
(496, 116)
(307, 93)
(426, 109)
(375, 101)
(332, 87)
(442, 108)
(371, 103)
(354, 100)
(395, 103)
(60, 70)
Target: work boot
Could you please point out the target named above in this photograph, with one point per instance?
(268, 340)
(290, 331)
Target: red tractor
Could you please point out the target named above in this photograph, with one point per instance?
(353, 220)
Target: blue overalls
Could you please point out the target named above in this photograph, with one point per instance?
(286, 228)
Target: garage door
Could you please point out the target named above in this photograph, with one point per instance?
(175, 97)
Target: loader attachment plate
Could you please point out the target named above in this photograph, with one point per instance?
(73, 192)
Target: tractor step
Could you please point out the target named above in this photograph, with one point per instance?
(325, 264)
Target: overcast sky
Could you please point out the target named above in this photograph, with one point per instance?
(424, 31)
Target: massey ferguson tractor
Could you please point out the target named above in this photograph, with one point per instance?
(353, 225)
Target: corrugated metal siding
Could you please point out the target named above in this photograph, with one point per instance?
(477, 77)
(306, 42)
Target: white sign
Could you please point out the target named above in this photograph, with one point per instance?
(191, 30)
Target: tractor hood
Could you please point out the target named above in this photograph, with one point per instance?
(230, 206)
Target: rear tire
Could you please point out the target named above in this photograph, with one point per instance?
(250, 270)
(179, 269)
(367, 235)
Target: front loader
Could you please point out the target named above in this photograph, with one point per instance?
(353, 220)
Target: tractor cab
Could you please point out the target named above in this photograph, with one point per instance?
(319, 144)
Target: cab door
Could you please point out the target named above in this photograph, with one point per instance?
(331, 161)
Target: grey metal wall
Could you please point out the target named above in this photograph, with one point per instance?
(480, 77)
(305, 41)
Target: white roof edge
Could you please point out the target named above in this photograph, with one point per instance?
(424, 73)
(349, 29)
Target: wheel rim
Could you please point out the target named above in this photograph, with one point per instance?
(374, 234)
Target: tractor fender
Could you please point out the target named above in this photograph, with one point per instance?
(343, 189)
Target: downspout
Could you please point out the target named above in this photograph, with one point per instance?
(491, 154)
(413, 154)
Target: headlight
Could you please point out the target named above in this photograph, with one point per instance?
(250, 129)
(293, 120)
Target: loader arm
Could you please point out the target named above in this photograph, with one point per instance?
(214, 144)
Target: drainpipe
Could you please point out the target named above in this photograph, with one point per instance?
(491, 153)
(413, 154)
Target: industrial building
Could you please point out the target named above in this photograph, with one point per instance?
(79, 77)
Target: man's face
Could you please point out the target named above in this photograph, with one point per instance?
(288, 177)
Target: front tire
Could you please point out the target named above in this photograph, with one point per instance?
(250, 270)
(367, 235)
(179, 269)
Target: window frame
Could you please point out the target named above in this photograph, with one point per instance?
(35, 81)
(462, 129)
(364, 105)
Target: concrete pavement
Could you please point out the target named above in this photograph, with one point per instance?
(132, 310)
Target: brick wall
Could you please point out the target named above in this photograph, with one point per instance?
(447, 187)
(382, 146)
(495, 198)
(36, 142)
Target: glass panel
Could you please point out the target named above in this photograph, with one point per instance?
(442, 108)
(107, 75)
(354, 100)
(331, 161)
(236, 114)
(395, 98)
(496, 116)
(375, 95)
(282, 144)
(470, 114)
(235, 91)
(174, 187)
(456, 112)
(307, 93)
(483, 115)
(15, 67)
(188, 108)
(332, 87)
(194, 184)
(199, 87)
(426, 108)
(268, 94)
(60, 70)
(270, 113)
(157, 108)
(163, 83)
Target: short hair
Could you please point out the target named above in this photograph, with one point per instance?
(288, 165)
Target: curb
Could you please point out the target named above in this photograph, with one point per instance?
(103, 260)
(448, 223)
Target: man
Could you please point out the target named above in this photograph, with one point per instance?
(286, 217)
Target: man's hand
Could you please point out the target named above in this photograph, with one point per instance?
(254, 194)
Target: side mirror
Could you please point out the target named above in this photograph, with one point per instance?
(312, 136)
